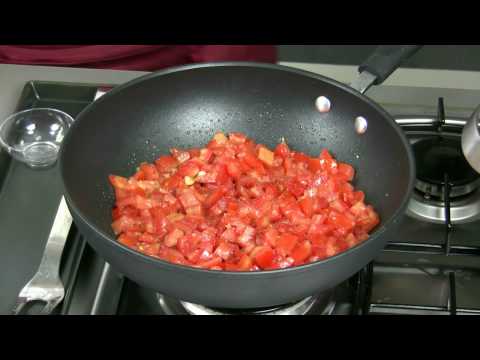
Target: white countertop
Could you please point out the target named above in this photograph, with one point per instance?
(419, 88)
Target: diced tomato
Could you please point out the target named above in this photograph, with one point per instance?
(237, 138)
(194, 153)
(271, 191)
(130, 211)
(236, 205)
(351, 240)
(218, 267)
(254, 162)
(346, 171)
(159, 220)
(314, 165)
(188, 199)
(148, 186)
(244, 264)
(174, 217)
(369, 220)
(358, 196)
(229, 235)
(173, 182)
(361, 236)
(247, 236)
(307, 205)
(149, 248)
(318, 227)
(173, 256)
(196, 210)
(126, 224)
(271, 236)
(165, 163)
(320, 203)
(286, 243)
(282, 262)
(127, 240)
(358, 208)
(262, 222)
(187, 244)
(247, 181)
(139, 175)
(331, 248)
(288, 166)
(256, 191)
(180, 155)
(341, 220)
(148, 238)
(206, 155)
(296, 187)
(150, 171)
(300, 157)
(264, 257)
(275, 214)
(282, 150)
(226, 250)
(244, 166)
(339, 205)
(213, 262)
(143, 202)
(232, 207)
(319, 240)
(249, 247)
(214, 197)
(116, 213)
(172, 238)
(327, 162)
(219, 174)
(325, 155)
(189, 168)
(301, 252)
(234, 169)
(121, 193)
(118, 181)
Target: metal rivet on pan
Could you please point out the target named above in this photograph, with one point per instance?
(361, 124)
(323, 104)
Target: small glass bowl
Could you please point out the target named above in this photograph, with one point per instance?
(34, 136)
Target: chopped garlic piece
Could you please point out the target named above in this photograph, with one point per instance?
(220, 138)
(189, 180)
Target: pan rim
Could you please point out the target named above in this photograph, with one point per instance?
(263, 273)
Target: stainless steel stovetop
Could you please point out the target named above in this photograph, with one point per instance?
(431, 265)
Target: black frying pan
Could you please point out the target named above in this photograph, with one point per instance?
(184, 107)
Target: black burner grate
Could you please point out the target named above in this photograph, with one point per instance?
(362, 304)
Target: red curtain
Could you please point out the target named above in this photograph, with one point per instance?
(132, 57)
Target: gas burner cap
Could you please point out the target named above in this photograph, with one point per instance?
(321, 304)
(434, 151)
(462, 210)
(437, 157)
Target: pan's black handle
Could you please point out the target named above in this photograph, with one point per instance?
(386, 59)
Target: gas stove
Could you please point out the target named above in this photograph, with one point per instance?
(430, 266)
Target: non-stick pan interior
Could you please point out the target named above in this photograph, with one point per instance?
(146, 118)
